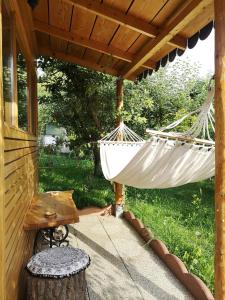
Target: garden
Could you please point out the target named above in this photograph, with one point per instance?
(183, 217)
(81, 101)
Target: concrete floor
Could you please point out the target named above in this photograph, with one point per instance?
(121, 266)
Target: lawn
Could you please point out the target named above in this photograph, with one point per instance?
(63, 173)
(182, 217)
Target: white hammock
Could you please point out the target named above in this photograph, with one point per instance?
(166, 159)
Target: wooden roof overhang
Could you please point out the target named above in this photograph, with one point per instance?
(121, 38)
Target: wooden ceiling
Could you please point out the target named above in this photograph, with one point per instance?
(118, 37)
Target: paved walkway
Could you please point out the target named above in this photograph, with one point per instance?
(121, 268)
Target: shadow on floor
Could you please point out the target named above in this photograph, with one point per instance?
(140, 280)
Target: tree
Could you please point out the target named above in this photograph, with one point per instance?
(83, 101)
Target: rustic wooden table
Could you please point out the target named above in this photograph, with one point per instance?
(63, 210)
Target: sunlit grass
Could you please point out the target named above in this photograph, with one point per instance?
(183, 218)
(88, 190)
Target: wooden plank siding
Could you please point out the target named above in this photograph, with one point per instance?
(18, 167)
(2, 194)
(20, 173)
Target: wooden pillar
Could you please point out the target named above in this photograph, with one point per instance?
(220, 149)
(119, 105)
(2, 189)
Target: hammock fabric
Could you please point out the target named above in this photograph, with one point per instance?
(158, 163)
(165, 160)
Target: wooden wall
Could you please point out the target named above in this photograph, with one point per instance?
(18, 174)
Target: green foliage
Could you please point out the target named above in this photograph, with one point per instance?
(83, 101)
(62, 174)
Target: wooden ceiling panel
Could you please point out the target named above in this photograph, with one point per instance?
(120, 65)
(137, 45)
(75, 50)
(122, 6)
(107, 60)
(158, 18)
(165, 13)
(124, 38)
(120, 35)
(43, 39)
(58, 45)
(41, 11)
(82, 22)
(60, 14)
(99, 32)
(174, 25)
(200, 21)
(146, 10)
(92, 55)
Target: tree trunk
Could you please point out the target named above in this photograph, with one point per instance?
(69, 288)
(96, 156)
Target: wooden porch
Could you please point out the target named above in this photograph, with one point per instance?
(128, 39)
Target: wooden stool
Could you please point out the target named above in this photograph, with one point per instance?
(57, 273)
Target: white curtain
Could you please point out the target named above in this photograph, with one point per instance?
(157, 163)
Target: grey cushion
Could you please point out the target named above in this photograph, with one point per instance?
(58, 262)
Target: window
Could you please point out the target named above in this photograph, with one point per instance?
(22, 93)
(19, 78)
(7, 53)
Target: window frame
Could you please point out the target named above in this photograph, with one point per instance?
(17, 38)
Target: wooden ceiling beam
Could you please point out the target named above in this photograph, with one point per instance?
(90, 44)
(129, 21)
(184, 16)
(28, 23)
(76, 60)
(20, 27)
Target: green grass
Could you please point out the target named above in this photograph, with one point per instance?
(182, 217)
(77, 176)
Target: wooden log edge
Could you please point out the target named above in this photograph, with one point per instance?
(193, 284)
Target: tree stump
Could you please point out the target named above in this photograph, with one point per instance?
(57, 274)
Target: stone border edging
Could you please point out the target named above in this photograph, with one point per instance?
(193, 284)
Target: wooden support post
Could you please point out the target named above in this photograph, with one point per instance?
(119, 105)
(2, 188)
(220, 149)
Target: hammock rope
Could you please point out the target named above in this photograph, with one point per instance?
(122, 133)
(200, 128)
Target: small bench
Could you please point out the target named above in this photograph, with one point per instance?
(48, 211)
